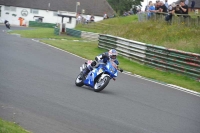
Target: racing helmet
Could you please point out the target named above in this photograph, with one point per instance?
(112, 54)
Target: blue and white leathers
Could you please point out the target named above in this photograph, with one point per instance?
(102, 70)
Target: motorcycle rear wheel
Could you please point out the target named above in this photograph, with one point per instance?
(8, 26)
(100, 85)
(78, 81)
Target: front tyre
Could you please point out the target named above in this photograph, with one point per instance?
(79, 80)
(100, 85)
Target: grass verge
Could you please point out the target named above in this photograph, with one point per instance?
(10, 127)
(41, 33)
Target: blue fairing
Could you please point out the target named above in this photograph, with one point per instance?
(102, 68)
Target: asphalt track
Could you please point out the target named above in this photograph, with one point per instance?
(37, 91)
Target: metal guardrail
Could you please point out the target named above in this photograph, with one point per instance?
(155, 56)
(90, 35)
(173, 60)
(82, 34)
(41, 24)
(130, 49)
(56, 31)
(73, 32)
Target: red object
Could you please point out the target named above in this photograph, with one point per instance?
(63, 29)
(21, 21)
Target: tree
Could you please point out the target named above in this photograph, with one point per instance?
(123, 5)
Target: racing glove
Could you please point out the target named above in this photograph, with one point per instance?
(121, 70)
(104, 56)
(93, 63)
(97, 58)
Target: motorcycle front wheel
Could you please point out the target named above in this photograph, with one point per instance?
(100, 85)
(79, 80)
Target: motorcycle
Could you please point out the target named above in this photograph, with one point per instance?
(7, 25)
(99, 77)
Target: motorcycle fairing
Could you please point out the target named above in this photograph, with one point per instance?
(89, 81)
(110, 69)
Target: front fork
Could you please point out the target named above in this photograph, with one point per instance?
(102, 76)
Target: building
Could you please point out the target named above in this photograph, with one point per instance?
(20, 12)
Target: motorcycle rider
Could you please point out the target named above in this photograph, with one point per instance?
(6, 24)
(5, 21)
(104, 57)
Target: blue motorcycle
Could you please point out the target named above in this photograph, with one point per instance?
(99, 77)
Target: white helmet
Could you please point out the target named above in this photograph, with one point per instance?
(112, 54)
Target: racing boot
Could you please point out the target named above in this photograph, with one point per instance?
(85, 73)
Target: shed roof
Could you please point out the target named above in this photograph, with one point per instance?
(95, 7)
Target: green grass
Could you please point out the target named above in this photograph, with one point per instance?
(178, 37)
(102, 26)
(10, 127)
(89, 50)
(193, 15)
(41, 33)
(118, 21)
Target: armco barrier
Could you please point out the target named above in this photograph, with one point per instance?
(173, 60)
(130, 49)
(40, 24)
(73, 32)
(56, 31)
(107, 41)
(155, 56)
(83, 34)
(90, 35)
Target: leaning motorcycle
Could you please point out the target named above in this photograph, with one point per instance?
(7, 25)
(99, 77)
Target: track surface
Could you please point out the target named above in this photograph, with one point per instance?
(37, 91)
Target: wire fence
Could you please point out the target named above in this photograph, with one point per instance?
(186, 19)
